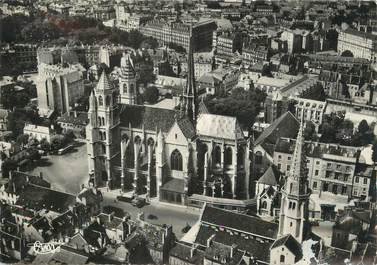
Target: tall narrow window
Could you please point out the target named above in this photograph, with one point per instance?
(217, 155)
(228, 159)
(176, 160)
(100, 100)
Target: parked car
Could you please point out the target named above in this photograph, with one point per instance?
(152, 217)
(125, 199)
(138, 202)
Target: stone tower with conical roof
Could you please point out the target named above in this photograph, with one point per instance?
(294, 212)
(189, 102)
(102, 131)
(127, 81)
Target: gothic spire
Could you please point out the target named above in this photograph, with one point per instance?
(296, 183)
(104, 83)
(189, 93)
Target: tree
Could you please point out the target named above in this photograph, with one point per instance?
(57, 142)
(34, 154)
(151, 94)
(7, 166)
(309, 132)
(363, 127)
(22, 139)
(245, 105)
(266, 71)
(45, 145)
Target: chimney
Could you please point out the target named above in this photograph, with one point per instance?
(75, 114)
(40, 175)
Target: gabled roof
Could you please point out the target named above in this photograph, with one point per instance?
(270, 177)
(151, 118)
(202, 109)
(186, 127)
(38, 198)
(219, 126)
(241, 222)
(285, 126)
(183, 252)
(291, 243)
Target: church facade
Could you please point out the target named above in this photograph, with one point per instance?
(164, 153)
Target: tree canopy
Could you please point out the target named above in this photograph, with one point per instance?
(245, 105)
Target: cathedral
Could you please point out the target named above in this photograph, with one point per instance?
(161, 153)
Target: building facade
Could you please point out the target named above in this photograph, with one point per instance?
(165, 153)
(360, 44)
(58, 88)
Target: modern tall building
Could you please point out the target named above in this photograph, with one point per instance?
(58, 87)
(180, 156)
(179, 33)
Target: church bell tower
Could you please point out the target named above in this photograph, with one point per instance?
(294, 211)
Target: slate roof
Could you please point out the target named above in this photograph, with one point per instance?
(104, 83)
(241, 222)
(202, 108)
(93, 232)
(256, 248)
(38, 198)
(221, 252)
(271, 176)
(187, 128)
(291, 243)
(20, 179)
(152, 118)
(219, 126)
(183, 252)
(174, 185)
(81, 119)
(285, 126)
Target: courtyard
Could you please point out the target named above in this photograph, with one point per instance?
(65, 172)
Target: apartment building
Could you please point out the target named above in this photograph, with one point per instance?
(360, 44)
(331, 168)
(179, 33)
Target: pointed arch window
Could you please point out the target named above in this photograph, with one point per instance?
(217, 155)
(176, 160)
(124, 88)
(132, 88)
(108, 100)
(228, 158)
(100, 101)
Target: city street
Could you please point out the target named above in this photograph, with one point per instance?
(69, 171)
(65, 172)
(176, 215)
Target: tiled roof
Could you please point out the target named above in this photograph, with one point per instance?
(256, 248)
(270, 177)
(104, 83)
(187, 128)
(220, 252)
(219, 126)
(291, 243)
(20, 179)
(152, 118)
(285, 126)
(183, 252)
(80, 119)
(241, 222)
(38, 198)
